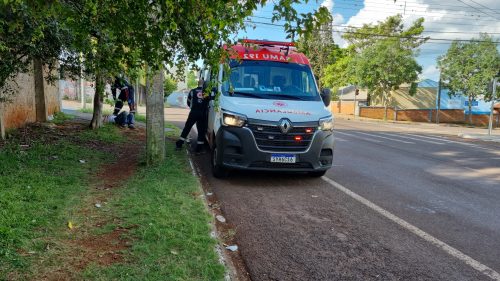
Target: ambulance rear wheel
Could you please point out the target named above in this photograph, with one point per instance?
(218, 170)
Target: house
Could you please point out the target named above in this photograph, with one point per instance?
(347, 99)
(424, 98)
(422, 106)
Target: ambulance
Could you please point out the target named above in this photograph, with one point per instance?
(269, 114)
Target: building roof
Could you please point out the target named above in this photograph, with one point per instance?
(428, 83)
(347, 93)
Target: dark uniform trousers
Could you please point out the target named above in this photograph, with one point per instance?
(199, 117)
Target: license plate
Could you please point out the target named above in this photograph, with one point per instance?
(283, 158)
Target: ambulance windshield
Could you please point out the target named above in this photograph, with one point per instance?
(271, 80)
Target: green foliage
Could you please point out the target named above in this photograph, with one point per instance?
(382, 57)
(28, 30)
(392, 27)
(319, 48)
(339, 73)
(469, 67)
(171, 227)
(191, 80)
(169, 86)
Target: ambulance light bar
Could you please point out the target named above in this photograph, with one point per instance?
(268, 43)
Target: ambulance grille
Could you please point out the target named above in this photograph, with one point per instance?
(270, 138)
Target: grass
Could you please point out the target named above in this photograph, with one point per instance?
(45, 186)
(169, 227)
(106, 134)
(61, 117)
(38, 188)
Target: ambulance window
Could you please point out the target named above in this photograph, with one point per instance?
(270, 80)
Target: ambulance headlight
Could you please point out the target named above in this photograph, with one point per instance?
(326, 124)
(233, 119)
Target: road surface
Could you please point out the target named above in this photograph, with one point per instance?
(398, 204)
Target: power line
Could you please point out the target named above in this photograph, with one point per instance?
(475, 8)
(383, 35)
(416, 10)
(426, 12)
(429, 31)
(414, 4)
(455, 22)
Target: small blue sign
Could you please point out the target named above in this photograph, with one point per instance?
(474, 103)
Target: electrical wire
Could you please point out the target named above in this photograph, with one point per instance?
(382, 35)
(429, 31)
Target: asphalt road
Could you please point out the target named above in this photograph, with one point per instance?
(293, 227)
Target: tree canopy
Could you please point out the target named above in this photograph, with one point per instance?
(468, 67)
(105, 37)
(28, 30)
(319, 48)
(380, 58)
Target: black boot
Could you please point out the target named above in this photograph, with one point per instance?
(178, 144)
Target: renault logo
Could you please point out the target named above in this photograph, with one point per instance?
(285, 125)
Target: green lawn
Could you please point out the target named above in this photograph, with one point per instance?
(169, 225)
(39, 187)
(44, 186)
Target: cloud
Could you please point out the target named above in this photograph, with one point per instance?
(443, 20)
(430, 72)
(328, 4)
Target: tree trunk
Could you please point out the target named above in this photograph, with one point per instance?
(40, 104)
(2, 125)
(155, 122)
(470, 110)
(98, 101)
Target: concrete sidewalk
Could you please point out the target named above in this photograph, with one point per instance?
(174, 115)
(441, 129)
(484, 137)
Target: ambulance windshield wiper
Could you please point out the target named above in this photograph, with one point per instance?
(291, 97)
(245, 94)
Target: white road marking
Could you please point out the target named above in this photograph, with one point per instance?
(417, 231)
(411, 138)
(354, 136)
(442, 139)
(382, 137)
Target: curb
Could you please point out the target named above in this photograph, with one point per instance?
(492, 138)
(231, 272)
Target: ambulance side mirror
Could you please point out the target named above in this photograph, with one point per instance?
(326, 96)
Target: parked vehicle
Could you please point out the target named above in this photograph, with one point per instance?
(269, 114)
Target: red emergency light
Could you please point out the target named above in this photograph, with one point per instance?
(269, 43)
(298, 138)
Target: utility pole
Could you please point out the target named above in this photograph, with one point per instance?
(356, 92)
(438, 100)
(81, 82)
(340, 100)
(490, 124)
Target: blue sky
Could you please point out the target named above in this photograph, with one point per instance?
(445, 20)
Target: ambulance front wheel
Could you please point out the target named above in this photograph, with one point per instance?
(218, 169)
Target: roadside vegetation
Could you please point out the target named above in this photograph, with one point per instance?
(77, 204)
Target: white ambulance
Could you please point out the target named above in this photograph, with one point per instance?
(269, 114)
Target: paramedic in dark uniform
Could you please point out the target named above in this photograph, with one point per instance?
(126, 93)
(198, 102)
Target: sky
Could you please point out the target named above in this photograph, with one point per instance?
(445, 20)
